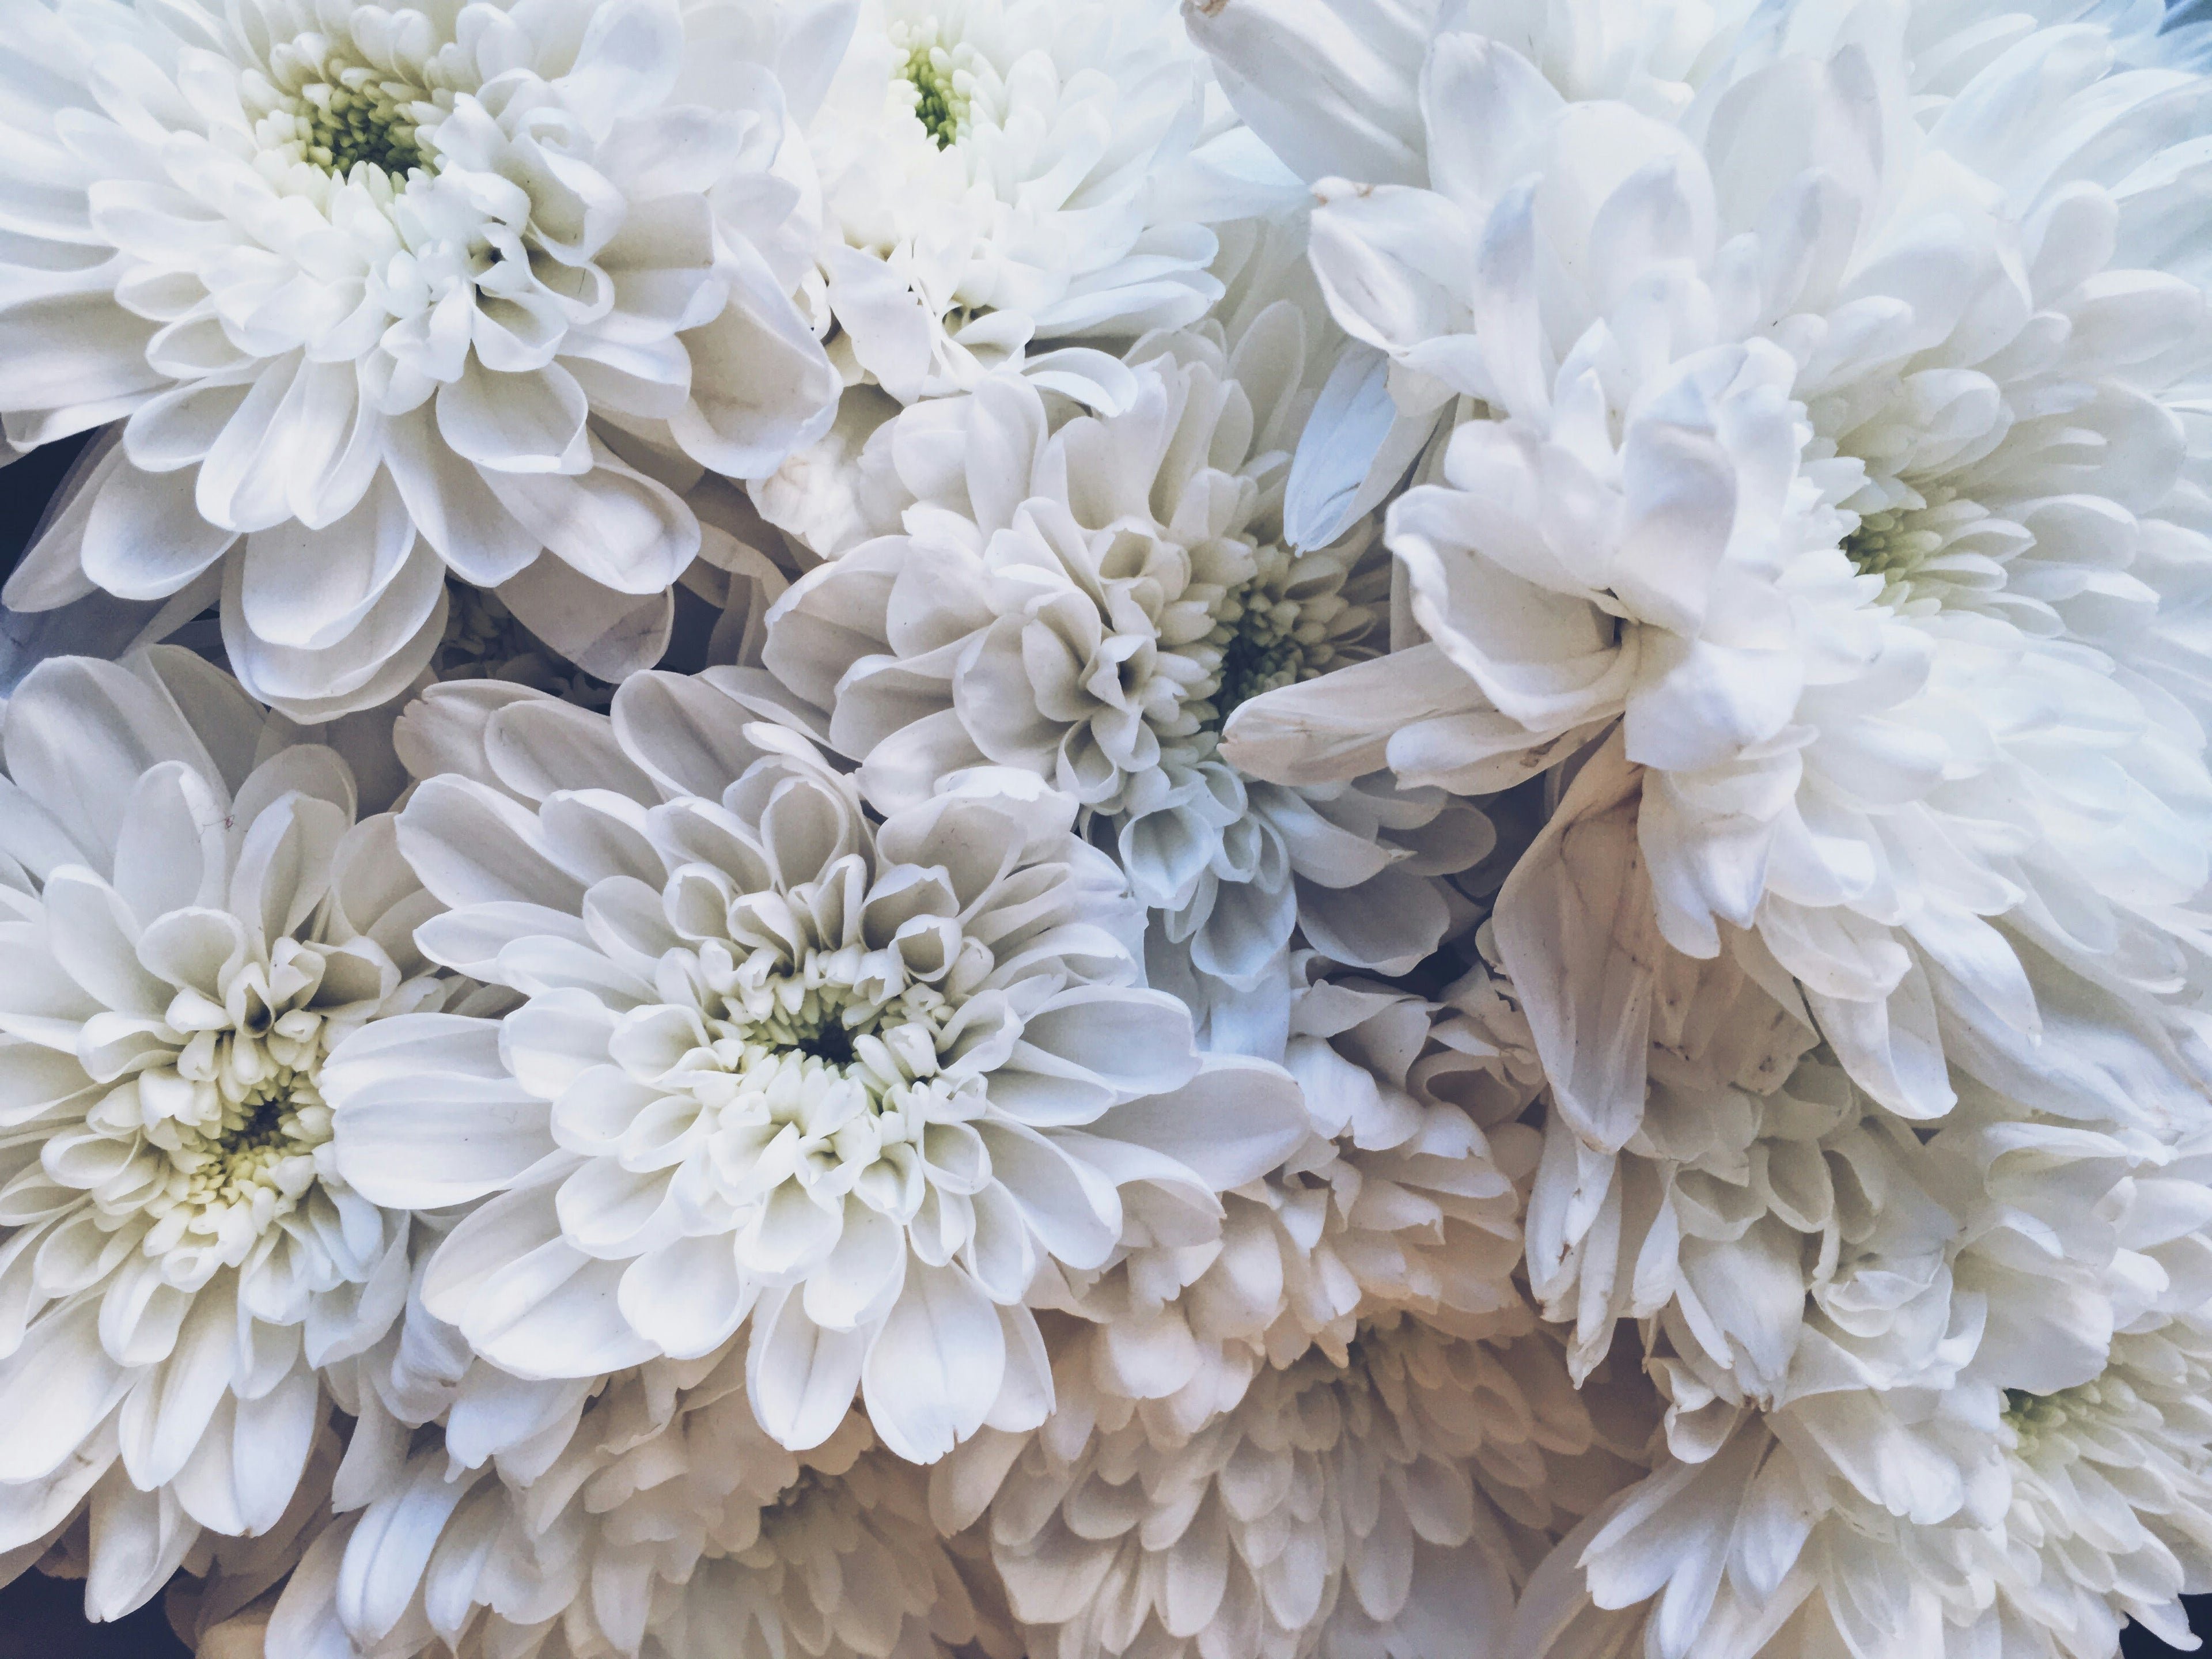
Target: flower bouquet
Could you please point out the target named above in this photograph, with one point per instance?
(1062, 830)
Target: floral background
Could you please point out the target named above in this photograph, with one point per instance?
(1377, 699)
(42, 1618)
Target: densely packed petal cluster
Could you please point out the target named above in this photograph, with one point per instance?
(1089, 829)
(197, 913)
(853, 1085)
(1088, 597)
(999, 175)
(379, 293)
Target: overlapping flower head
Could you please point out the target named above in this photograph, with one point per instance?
(1846, 1312)
(380, 293)
(1003, 176)
(197, 912)
(2110, 1496)
(853, 1084)
(1388, 1497)
(1938, 1515)
(1404, 1195)
(1849, 489)
(1087, 597)
(1337, 1428)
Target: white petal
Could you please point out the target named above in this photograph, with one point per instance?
(935, 1366)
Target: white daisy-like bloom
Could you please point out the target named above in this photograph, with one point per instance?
(2063, 1516)
(1839, 1303)
(1734, 1217)
(642, 1513)
(1085, 597)
(857, 1082)
(1827, 446)
(380, 292)
(1386, 1500)
(1755, 1175)
(195, 917)
(1853, 1326)
(2111, 1477)
(1743, 1198)
(1749, 1194)
(1418, 1155)
(998, 175)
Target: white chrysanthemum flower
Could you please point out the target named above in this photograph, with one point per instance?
(1755, 1176)
(861, 1082)
(1418, 1153)
(1749, 1203)
(194, 918)
(1386, 1501)
(1404, 1195)
(2035, 1525)
(646, 1512)
(1828, 446)
(998, 175)
(1844, 1316)
(1838, 1302)
(845, 1566)
(376, 292)
(1086, 596)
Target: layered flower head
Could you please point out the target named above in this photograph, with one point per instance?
(998, 175)
(2039, 1523)
(1403, 1195)
(1085, 597)
(1387, 1500)
(863, 1082)
(845, 1565)
(350, 274)
(1851, 488)
(1412, 1175)
(194, 918)
(1861, 1330)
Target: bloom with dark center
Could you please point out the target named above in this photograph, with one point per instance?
(857, 1082)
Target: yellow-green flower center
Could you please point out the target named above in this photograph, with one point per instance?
(1286, 624)
(942, 90)
(356, 116)
(1263, 650)
(791, 1035)
(823, 1026)
(1885, 544)
(234, 1175)
(2037, 1417)
(282, 1117)
(317, 101)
